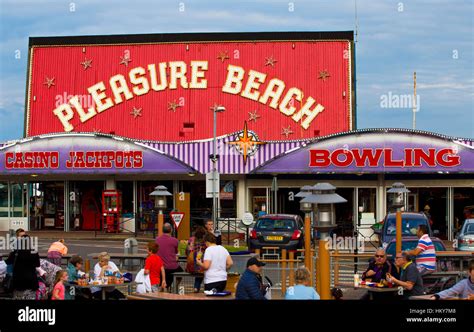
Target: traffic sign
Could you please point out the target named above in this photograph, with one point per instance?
(247, 220)
(177, 217)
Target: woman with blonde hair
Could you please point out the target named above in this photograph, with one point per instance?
(302, 290)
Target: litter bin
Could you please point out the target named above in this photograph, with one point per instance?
(130, 246)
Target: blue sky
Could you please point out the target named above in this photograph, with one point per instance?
(435, 38)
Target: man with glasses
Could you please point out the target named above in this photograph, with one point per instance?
(410, 277)
(378, 267)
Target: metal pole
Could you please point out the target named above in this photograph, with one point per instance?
(283, 272)
(398, 220)
(414, 100)
(307, 241)
(324, 274)
(160, 223)
(214, 205)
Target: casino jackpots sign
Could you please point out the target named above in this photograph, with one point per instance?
(284, 90)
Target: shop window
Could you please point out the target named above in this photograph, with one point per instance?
(18, 196)
(3, 199)
(463, 206)
(258, 201)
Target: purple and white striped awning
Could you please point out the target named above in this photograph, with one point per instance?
(197, 154)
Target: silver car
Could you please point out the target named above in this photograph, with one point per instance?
(465, 239)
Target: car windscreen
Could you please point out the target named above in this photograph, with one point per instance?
(409, 245)
(267, 224)
(409, 226)
(469, 229)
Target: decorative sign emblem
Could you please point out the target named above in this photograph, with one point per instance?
(246, 143)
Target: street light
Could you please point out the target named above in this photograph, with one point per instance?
(323, 197)
(398, 190)
(306, 208)
(160, 194)
(216, 109)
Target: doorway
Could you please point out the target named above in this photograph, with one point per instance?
(85, 199)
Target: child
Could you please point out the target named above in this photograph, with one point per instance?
(74, 272)
(154, 267)
(59, 290)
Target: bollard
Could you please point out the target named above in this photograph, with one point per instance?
(283, 272)
(130, 246)
(292, 268)
(87, 265)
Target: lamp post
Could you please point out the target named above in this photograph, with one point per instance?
(306, 208)
(323, 197)
(399, 190)
(160, 194)
(216, 109)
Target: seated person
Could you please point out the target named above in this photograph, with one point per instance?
(378, 267)
(74, 273)
(74, 268)
(410, 277)
(463, 289)
(302, 290)
(105, 264)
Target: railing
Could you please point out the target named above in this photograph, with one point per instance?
(281, 266)
(228, 226)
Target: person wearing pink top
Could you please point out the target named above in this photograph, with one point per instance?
(59, 289)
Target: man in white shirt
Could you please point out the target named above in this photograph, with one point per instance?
(104, 264)
(215, 264)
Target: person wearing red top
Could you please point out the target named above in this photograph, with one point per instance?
(155, 268)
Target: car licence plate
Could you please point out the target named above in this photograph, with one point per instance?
(274, 238)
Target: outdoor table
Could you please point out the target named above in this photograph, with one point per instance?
(122, 257)
(354, 293)
(103, 287)
(379, 290)
(421, 297)
(171, 296)
(428, 297)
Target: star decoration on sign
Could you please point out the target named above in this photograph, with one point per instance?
(270, 61)
(173, 105)
(49, 81)
(124, 60)
(136, 112)
(223, 56)
(86, 64)
(287, 131)
(324, 75)
(247, 143)
(253, 116)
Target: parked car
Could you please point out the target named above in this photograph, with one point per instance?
(285, 231)
(411, 242)
(410, 223)
(465, 238)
